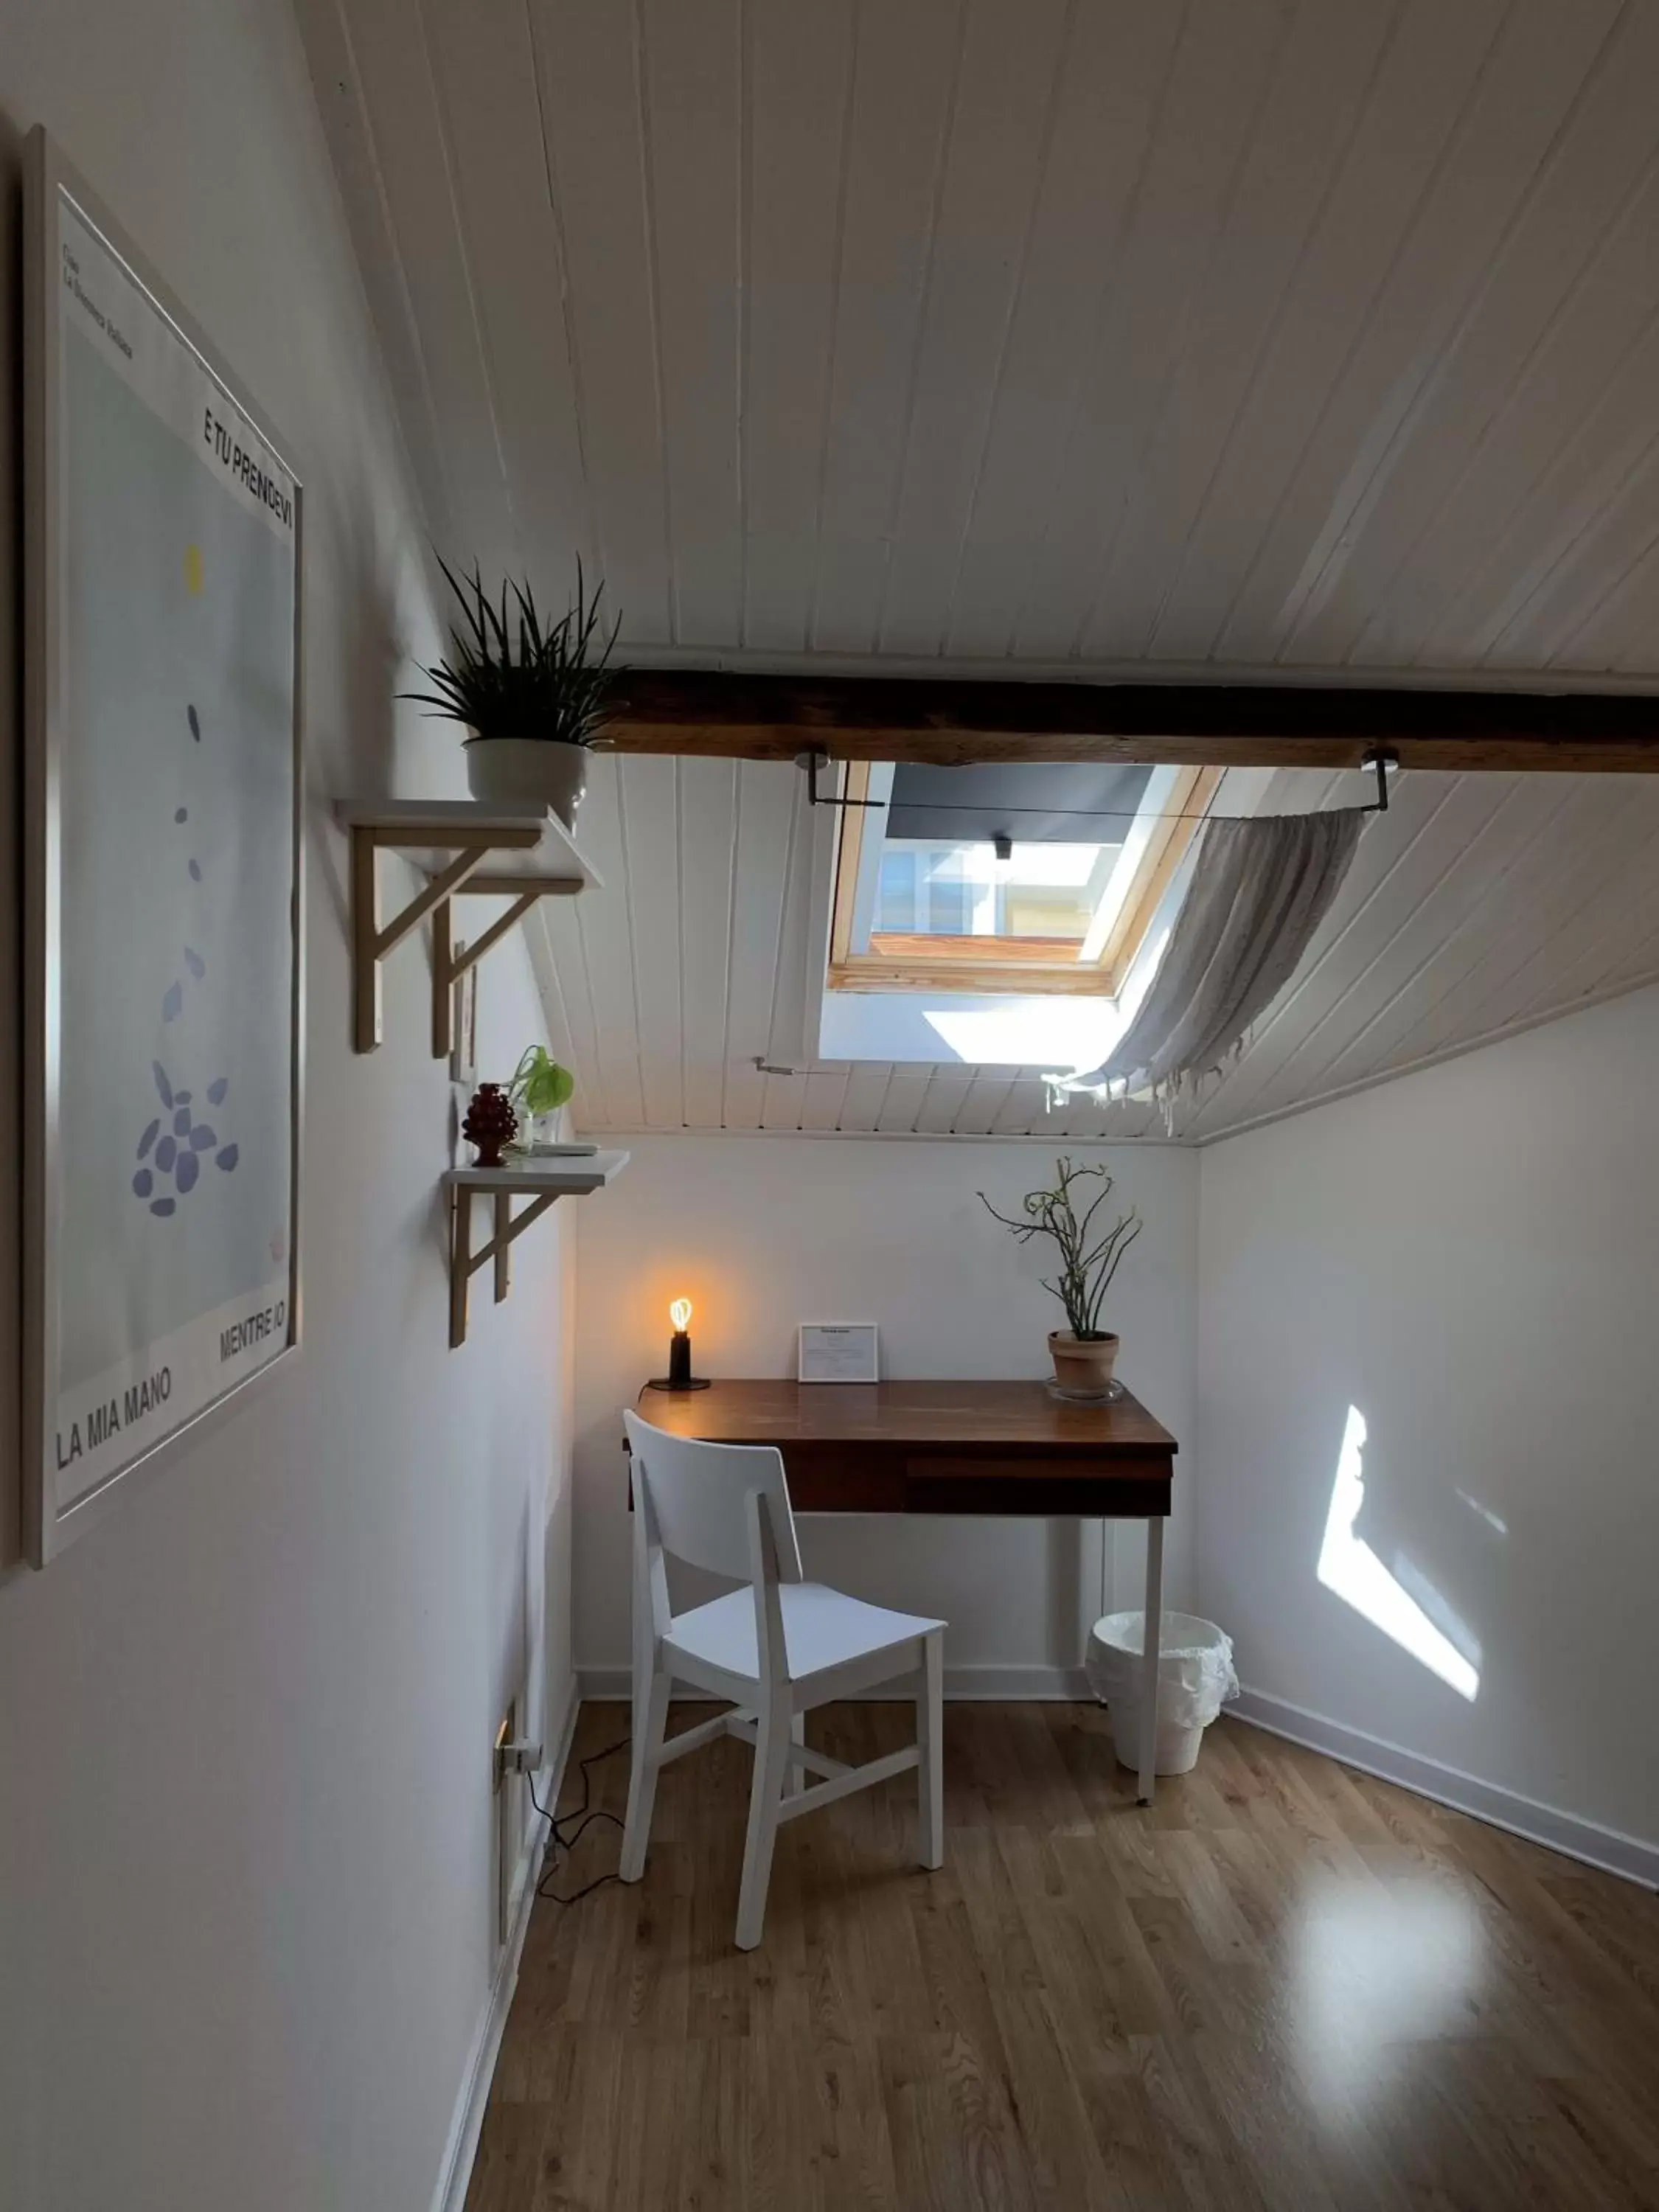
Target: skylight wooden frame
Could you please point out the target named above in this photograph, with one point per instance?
(990, 966)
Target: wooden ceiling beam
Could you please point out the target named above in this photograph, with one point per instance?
(953, 721)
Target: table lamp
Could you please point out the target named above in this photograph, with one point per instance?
(679, 1376)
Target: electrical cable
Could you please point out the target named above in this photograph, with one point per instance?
(584, 1819)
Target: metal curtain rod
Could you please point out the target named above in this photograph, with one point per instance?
(1382, 758)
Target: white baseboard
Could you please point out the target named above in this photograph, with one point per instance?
(1042, 1685)
(455, 2174)
(1606, 1848)
(1045, 1684)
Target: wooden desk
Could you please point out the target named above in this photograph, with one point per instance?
(975, 1447)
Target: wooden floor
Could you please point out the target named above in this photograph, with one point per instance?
(1286, 1986)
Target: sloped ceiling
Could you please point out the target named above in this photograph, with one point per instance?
(1041, 336)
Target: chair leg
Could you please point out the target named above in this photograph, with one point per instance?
(930, 1744)
(794, 1778)
(650, 1720)
(771, 1772)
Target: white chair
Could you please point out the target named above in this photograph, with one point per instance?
(776, 1649)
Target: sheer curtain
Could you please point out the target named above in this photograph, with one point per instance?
(1260, 888)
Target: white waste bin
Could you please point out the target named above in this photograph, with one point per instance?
(1195, 1678)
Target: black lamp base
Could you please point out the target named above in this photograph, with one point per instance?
(664, 1383)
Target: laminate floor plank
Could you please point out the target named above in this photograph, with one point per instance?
(1288, 1987)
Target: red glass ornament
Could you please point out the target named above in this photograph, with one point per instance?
(490, 1123)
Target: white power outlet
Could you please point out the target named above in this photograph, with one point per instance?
(513, 1754)
(518, 1755)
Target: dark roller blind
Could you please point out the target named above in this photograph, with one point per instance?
(1035, 803)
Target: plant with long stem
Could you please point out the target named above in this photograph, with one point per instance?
(539, 1084)
(1088, 1261)
(511, 673)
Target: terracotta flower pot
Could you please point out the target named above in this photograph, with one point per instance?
(1082, 1363)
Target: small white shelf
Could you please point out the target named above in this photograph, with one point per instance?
(573, 1175)
(540, 1181)
(462, 846)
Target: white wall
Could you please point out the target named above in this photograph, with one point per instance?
(245, 1874)
(1470, 1258)
(762, 1232)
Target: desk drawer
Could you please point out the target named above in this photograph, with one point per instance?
(941, 1483)
(937, 1467)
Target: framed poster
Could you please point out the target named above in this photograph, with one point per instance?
(837, 1351)
(162, 948)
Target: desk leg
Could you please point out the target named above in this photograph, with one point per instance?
(1149, 1657)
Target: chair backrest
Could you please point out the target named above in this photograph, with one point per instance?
(698, 1498)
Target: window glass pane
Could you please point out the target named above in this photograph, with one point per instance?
(1052, 890)
(896, 898)
(949, 907)
(1044, 891)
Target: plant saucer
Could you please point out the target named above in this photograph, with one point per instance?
(1109, 1396)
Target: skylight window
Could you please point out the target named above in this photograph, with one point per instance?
(1044, 894)
(1018, 879)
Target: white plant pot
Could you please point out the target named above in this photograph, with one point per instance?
(528, 772)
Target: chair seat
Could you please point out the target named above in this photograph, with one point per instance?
(822, 1628)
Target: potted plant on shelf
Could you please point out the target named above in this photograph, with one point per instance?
(1084, 1353)
(538, 1088)
(532, 694)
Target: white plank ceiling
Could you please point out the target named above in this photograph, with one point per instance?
(1040, 335)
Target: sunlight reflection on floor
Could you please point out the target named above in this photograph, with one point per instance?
(1375, 1965)
(1348, 1566)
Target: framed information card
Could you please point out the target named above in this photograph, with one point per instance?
(162, 867)
(838, 1352)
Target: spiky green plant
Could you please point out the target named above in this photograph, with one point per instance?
(512, 674)
(1086, 1268)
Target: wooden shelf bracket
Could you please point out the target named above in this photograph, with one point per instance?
(448, 966)
(541, 1181)
(465, 850)
(464, 1262)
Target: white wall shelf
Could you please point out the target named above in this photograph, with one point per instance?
(519, 852)
(540, 1181)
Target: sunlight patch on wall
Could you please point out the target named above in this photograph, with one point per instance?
(1348, 1566)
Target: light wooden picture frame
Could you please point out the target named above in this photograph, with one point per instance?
(838, 1352)
(164, 906)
